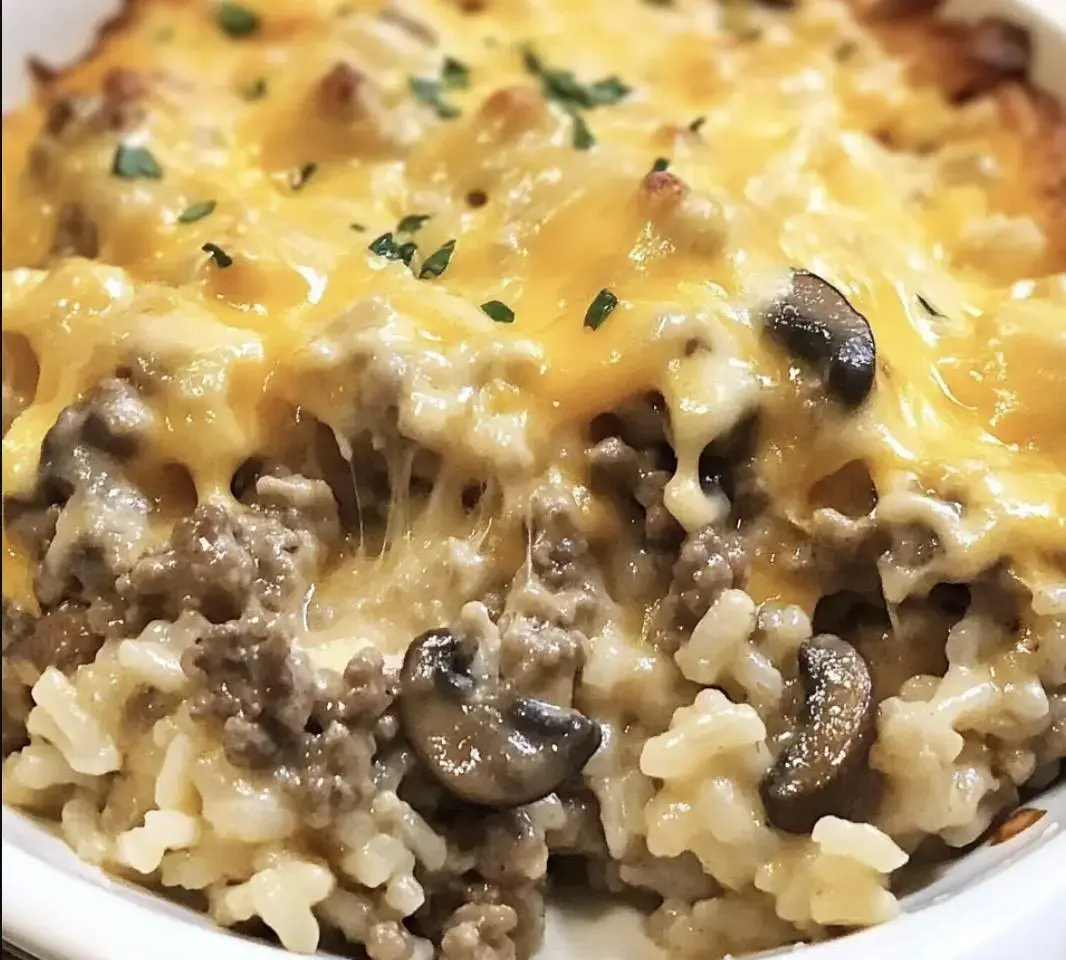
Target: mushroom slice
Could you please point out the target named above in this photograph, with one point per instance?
(823, 770)
(815, 323)
(480, 741)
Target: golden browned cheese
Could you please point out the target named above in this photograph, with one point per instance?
(791, 167)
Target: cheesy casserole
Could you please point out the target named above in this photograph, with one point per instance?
(455, 448)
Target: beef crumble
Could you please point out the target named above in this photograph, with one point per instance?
(712, 560)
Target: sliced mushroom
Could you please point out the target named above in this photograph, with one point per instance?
(480, 741)
(823, 770)
(815, 323)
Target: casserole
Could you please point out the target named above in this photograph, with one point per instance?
(599, 309)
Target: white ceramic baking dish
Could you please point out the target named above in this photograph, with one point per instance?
(1006, 901)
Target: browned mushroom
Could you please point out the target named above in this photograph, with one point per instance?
(823, 769)
(814, 322)
(480, 741)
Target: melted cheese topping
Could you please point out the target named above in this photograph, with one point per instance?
(783, 172)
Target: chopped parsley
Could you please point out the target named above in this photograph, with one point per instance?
(697, 124)
(358, 227)
(600, 309)
(301, 176)
(498, 311)
(412, 222)
(197, 211)
(221, 258)
(661, 165)
(566, 90)
(135, 163)
(236, 20)
(929, 308)
(581, 136)
(429, 92)
(387, 247)
(437, 262)
(256, 90)
(454, 74)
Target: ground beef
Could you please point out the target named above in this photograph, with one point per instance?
(219, 561)
(313, 732)
(480, 932)
(711, 560)
(456, 901)
(552, 602)
(638, 476)
(84, 521)
(511, 847)
(17, 703)
(63, 638)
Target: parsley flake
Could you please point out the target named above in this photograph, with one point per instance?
(221, 258)
(135, 163)
(929, 308)
(236, 20)
(564, 88)
(437, 262)
(454, 74)
(412, 222)
(697, 124)
(358, 227)
(429, 92)
(600, 309)
(661, 165)
(387, 247)
(498, 311)
(197, 211)
(301, 176)
(582, 137)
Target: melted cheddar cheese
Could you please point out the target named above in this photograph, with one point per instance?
(941, 251)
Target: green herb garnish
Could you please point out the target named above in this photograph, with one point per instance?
(358, 227)
(437, 262)
(697, 124)
(197, 211)
(454, 74)
(387, 247)
(236, 20)
(661, 165)
(429, 92)
(412, 222)
(600, 309)
(301, 176)
(256, 90)
(564, 88)
(219, 255)
(499, 311)
(581, 136)
(135, 163)
(929, 308)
